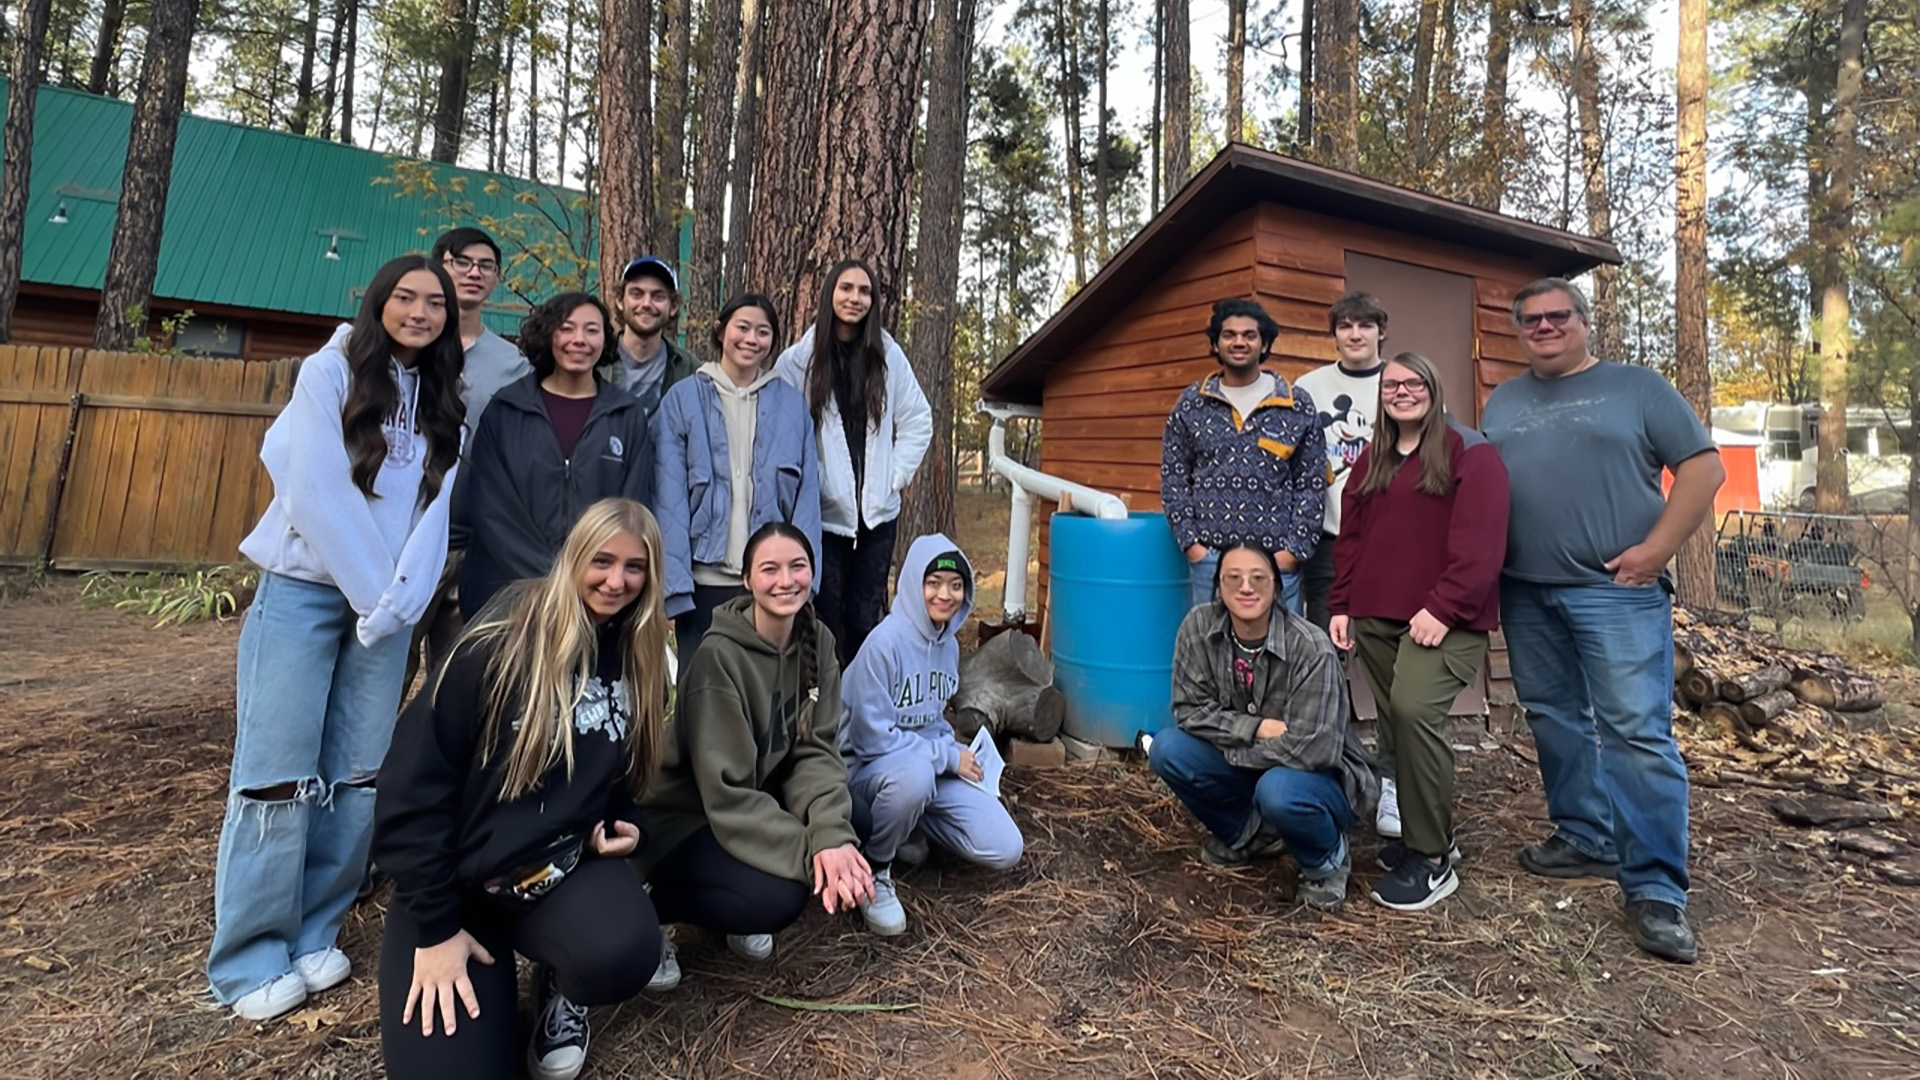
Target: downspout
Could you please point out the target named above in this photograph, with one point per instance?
(1027, 484)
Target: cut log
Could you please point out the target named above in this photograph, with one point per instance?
(1682, 661)
(1699, 686)
(1841, 691)
(1725, 718)
(1762, 711)
(1753, 684)
(1006, 685)
(1823, 812)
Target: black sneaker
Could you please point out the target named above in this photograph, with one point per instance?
(1416, 884)
(1394, 852)
(1558, 859)
(559, 1047)
(1661, 928)
(1264, 844)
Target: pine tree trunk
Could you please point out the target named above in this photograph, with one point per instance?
(330, 96)
(928, 503)
(1425, 39)
(1607, 341)
(29, 43)
(670, 118)
(865, 179)
(701, 292)
(1178, 146)
(456, 67)
(1309, 84)
(566, 90)
(351, 16)
(1336, 83)
(784, 172)
(626, 137)
(1837, 240)
(1154, 122)
(302, 117)
(533, 101)
(1065, 32)
(745, 145)
(106, 48)
(1237, 70)
(1102, 203)
(1491, 184)
(1696, 571)
(127, 293)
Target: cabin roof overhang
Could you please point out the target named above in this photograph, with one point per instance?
(1241, 176)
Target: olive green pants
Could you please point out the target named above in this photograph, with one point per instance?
(1413, 686)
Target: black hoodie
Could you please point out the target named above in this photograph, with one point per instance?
(440, 829)
(520, 495)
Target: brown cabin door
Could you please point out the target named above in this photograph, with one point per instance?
(1429, 312)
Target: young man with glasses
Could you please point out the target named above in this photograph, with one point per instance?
(649, 361)
(1243, 458)
(1587, 607)
(472, 259)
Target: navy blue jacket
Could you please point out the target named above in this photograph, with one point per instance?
(1261, 477)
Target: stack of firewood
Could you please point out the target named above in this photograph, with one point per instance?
(1751, 688)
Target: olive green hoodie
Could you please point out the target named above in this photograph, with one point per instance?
(752, 753)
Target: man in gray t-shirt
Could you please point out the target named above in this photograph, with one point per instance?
(1586, 607)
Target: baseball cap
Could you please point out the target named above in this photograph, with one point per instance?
(651, 264)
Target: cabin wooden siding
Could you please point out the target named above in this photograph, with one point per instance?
(1105, 406)
(50, 316)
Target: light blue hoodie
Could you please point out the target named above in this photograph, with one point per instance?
(895, 692)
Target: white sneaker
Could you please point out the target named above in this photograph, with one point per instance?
(751, 946)
(883, 913)
(667, 975)
(1386, 821)
(279, 997)
(559, 1047)
(323, 970)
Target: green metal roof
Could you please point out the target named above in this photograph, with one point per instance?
(252, 213)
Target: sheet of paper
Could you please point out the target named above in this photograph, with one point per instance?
(987, 754)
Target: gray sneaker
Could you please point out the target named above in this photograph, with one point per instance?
(667, 975)
(883, 913)
(751, 946)
(1265, 843)
(1327, 890)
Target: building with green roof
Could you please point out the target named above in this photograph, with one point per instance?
(270, 238)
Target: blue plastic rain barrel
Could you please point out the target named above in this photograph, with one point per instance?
(1119, 590)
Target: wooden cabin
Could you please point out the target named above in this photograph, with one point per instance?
(1108, 366)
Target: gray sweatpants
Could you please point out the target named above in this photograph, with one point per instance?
(895, 793)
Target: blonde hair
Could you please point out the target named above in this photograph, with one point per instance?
(544, 654)
(1383, 453)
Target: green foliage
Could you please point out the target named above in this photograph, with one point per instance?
(546, 235)
(161, 344)
(172, 599)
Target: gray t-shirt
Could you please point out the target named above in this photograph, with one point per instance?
(492, 362)
(1583, 456)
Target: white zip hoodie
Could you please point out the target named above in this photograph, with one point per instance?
(384, 554)
(897, 440)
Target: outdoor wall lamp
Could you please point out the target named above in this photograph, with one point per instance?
(59, 214)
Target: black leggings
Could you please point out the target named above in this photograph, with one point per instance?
(853, 584)
(597, 931)
(698, 883)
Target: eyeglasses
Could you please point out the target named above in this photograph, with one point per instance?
(1257, 581)
(1559, 317)
(1414, 387)
(463, 265)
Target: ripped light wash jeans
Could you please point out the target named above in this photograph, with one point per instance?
(315, 710)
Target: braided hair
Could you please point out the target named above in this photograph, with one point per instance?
(806, 626)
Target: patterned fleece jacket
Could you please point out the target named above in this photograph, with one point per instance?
(1261, 477)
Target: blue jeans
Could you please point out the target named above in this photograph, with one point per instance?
(1308, 809)
(1200, 578)
(1593, 667)
(314, 713)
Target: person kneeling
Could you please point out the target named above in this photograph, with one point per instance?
(506, 804)
(1263, 753)
(751, 801)
(905, 770)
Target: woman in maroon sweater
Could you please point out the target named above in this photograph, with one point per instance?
(1416, 590)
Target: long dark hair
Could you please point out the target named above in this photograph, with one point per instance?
(536, 331)
(806, 633)
(1383, 453)
(1273, 564)
(869, 349)
(748, 300)
(373, 394)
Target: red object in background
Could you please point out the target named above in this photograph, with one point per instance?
(1742, 489)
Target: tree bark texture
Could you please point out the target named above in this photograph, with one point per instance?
(351, 16)
(1069, 91)
(106, 46)
(331, 96)
(701, 290)
(784, 174)
(134, 258)
(1836, 239)
(456, 67)
(1236, 70)
(928, 504)
(1102, 191)
(625, 172)
(302, 117)
(745, 145)
(1696, 570)
(29, 43)
(1491, 184)
(865, 175)
(1303, 135)
(1177, 123)
(671, 117)
(1425, 41)
(1336, 82)
(1607, 341)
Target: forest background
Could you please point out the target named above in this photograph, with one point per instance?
(1756, 161)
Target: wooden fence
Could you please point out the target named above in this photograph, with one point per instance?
(125, 461)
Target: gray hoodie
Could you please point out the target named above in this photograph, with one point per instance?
(896, 690)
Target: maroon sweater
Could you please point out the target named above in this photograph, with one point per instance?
(1401, 550)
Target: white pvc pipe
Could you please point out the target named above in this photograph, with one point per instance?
(1028, 483)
